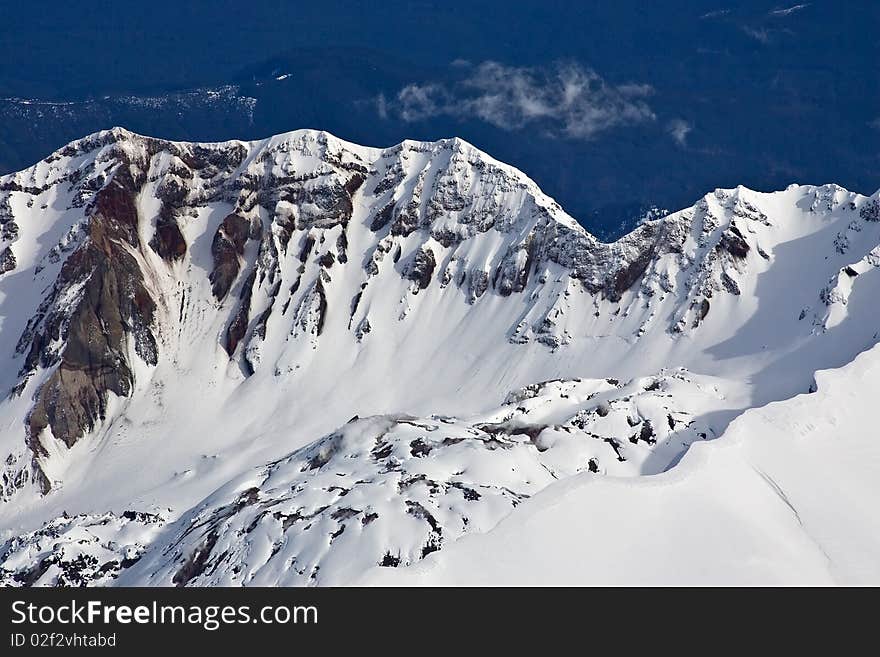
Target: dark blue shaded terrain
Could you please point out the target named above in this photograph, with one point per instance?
(611, 107)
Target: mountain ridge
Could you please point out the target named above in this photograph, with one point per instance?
(206, 308)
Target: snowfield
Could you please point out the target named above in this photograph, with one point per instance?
(787, 496)
(300, 361)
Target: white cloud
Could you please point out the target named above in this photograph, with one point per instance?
(679, 129)
(758, 34)
(567, 99)
(718, 13)
(416, 102)
(382, 106)
(789, 10)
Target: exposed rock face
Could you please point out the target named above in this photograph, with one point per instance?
(421, 270)
(169, 242)
(94, 361)
(312, 312)
(227, 249)
(627, 276)
(238, 326)
(734, 243)
(7, 261)
(83, 550)
(870, 211)
(382, 218)
(110, 311)
(8, 227)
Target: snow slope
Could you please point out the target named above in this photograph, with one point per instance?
(788, 495)
(234, 337)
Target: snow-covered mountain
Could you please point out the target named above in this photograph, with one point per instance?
(298, 360)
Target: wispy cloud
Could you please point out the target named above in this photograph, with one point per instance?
(718, 13)
(789, 10)
(757, 33)
(875, 123)
(567, 99)
(679, 129)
